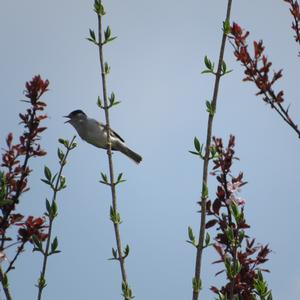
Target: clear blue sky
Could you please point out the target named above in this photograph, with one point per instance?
(156, 63)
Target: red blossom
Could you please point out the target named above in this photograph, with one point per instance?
(15, 159)
(35, 89)
(295, 11)
(32, 227)
(257, 68)
(235, 246)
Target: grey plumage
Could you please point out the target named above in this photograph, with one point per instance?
(95, 134)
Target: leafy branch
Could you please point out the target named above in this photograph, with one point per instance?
(57, 183)
(104, 37)
(206, 156)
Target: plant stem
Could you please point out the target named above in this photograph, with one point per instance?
(6, 214)
(5, 287)
(51, 219)
(19, 251)
(109, 152)
(18, 192)
(200, 244)
(270, 97)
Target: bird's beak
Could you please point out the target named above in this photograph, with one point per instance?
(67, 120)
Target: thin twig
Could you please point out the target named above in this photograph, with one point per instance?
(109, 151)
(51, 219)
(6, 214)
(19, 251)
(270, 96)
(206, 160)
(5, 286)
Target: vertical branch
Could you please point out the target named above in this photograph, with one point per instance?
(198, 264)
(114, 208)
(14, 182)
(52, 212)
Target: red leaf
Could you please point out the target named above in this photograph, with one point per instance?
(211, 223)
(9, 139)
(216, 206)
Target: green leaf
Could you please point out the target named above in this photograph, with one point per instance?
(126, 251)
(207, 72)
(106, 68)
(92, 35)
(112, 99)
(237, 268)
(110, 39)
(208, 63)
(46, 181)
(127, 292)
(53, 178)
(228, 267)
(204, 191)
(241, 235)
(64, 142)
(60, 154)
(54, 246)
(38, 246)
(104, 179)
(54, 210)
(213, 151)
(194, 152)
(270, 297)
(229, 234)
(74, 144)
(210, 108)
(197, 144)
(191, 234)
(48, 206)
(107, 36)
(99, 8)
(115, 216)
(224, 67)
(207, 239)
(99, 103)
(92, 41)
(42, 282)
(119, 179)
(226, 27)
(197, 285)
(5, 281)
(63, 184)
(4, 202)
(2, 186)
(107, 33)
(47, 173)
(114, 253)
(235, 211)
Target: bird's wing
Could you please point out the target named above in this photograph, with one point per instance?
(112, 132)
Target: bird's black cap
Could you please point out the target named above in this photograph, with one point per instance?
(74, 113)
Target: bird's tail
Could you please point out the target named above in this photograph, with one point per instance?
(131, 154)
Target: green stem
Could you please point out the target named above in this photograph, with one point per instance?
(201, 238)
(51, 219)
(109, 152)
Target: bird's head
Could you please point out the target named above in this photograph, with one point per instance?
(76, 116)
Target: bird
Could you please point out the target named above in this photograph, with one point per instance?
(95, 133)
